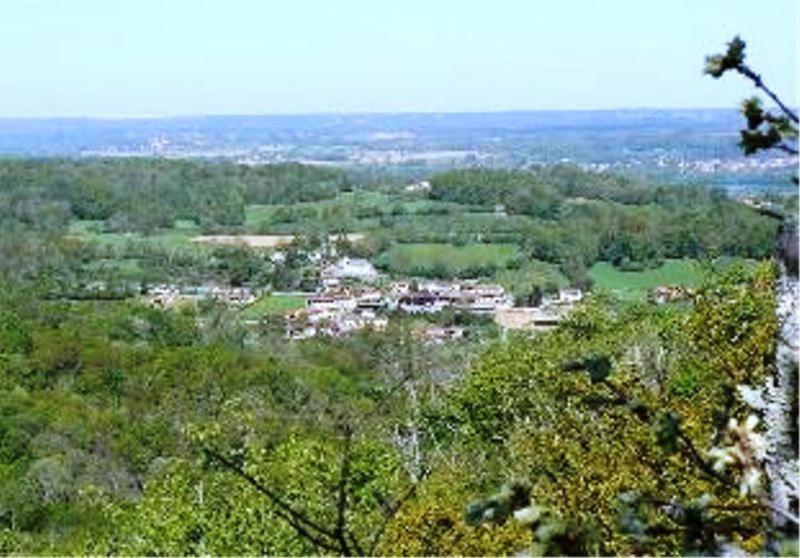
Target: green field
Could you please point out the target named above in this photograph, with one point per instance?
(634, 285)
(273, 304)
(352, 211)
(401, 218)
(447, 260)
(531, 274)
(128, 269)
(177, 237)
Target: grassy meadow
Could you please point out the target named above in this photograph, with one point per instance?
(270, 305)
(634, 285)
(447, 260)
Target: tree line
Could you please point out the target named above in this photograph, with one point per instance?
(148, 194)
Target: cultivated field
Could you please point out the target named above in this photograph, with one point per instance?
(249, 240)
(447, 260)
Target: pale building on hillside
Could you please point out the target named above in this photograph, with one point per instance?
(528, 318)
(351, 268)
(422, 302)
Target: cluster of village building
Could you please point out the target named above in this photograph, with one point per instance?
(341, 309)
(354, 296)
(351, 298)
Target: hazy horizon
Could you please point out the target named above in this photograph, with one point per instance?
(375, 113)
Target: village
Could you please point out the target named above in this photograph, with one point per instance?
(353, 295)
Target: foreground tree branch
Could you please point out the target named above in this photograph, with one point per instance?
(600, 368)
(299, 521)
(733, 59)
(746, 71)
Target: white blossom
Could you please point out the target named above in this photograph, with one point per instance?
(746, 452)
(528, 515)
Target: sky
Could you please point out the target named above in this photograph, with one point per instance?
(128, 58)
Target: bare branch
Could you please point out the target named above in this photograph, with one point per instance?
(391, 512)
(644, 413)
(704, 465)
(296, 519)
(759, 83)
(341, 504)
(785, 514)
(786, 148)
(759, 505)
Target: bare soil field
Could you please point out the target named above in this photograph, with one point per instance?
(262, 240)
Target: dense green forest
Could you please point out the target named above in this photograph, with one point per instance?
(562, 216)
(143, 195)
(113, 415)
(131, 430)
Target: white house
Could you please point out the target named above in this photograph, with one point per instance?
(336, 302)
(563, 297)
(421, 186)
(163, 295)
(399, 288)
(571, 296)
(351, 268)
(442, 334)
(422, 302)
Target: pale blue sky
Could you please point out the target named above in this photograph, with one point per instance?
(173, 57)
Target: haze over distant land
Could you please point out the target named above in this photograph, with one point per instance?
(146, 58)
(686, 145)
